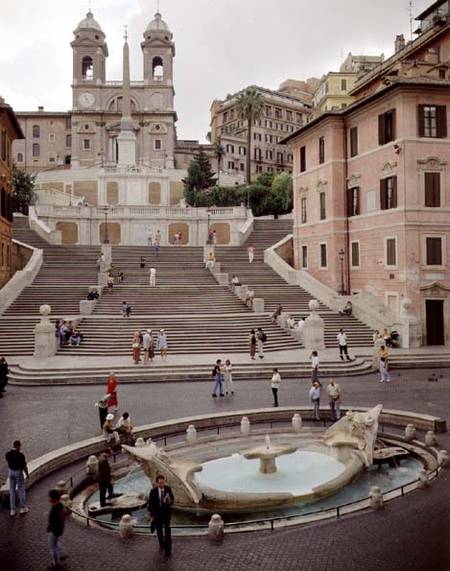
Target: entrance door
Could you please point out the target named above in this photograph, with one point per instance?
(435, 321)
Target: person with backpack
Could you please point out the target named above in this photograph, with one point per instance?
(252, 340)
(261, 338)
(217, 374)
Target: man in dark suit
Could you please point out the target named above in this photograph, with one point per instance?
(159, 506)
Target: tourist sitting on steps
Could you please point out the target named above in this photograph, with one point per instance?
(110, 283)
(210, 262)
(234, 282)
(249, 297)
(75, 338)
(347, 309)
(108, 428)
(93, 295)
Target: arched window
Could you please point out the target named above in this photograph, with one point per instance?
(157, 68)
(36, 150)
(20, 157)
(36, 131)
(87, 68)
(117, 105)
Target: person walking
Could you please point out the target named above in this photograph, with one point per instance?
(4, 372)
(157, 242)
(334, 398)
(146, 342)
(343, 344)
(104, 478)
(314, 398)
(17, 467)
(228, 377)
(111, 390)
(102, 405)
(261, 338)
(252, 340)
(159, 505)
(251, 254)
(126, 309)
(217, 374)
(275, 384)
(384, 363)
(55, 527)
(162, 344)
(108, 428)
(136, 347)
(152, 277)
(315, 363)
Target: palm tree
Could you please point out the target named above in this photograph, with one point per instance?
(219, 151)
(250, 105)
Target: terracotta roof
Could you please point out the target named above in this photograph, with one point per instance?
(12, 117)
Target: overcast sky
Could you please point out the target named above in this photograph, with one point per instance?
(221, 45)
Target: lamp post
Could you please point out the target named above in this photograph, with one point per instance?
(208, 240)
(341, 255)
(105, 212)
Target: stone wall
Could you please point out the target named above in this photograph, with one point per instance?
(20, 255)
(88, 189)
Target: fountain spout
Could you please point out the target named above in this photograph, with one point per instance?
(267, 454)
(267, 442)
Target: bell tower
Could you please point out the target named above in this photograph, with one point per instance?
(89, 53)
(159, 51)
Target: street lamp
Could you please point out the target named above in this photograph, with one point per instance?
(105, 210)
(341, 255)
(208, 240)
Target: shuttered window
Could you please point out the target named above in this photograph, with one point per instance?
(353, 201)
(321, 150)
(353, 141)
(323, 209)
(323, 255)
(302, 159)
(386, 127)
(388, 193)
(304, 256)
(355, 254)
(434, 251)
(432, 189)
(432, 121)
(303, 210)
(391, 252)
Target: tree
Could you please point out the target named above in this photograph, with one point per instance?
(200, 178)
(219, 151)
(282, 186)
(23, 189)
(249, 108)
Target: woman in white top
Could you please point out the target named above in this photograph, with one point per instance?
(228, 377)
(251, 254)
(275, 384)
(314, 366)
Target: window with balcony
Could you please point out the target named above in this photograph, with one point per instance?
(432, 183)
(302, 159)
(432, 121)
(353, 201)
(321, 150)
(388, 193)
(353, 141)
(386, 127)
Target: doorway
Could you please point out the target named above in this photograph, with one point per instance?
(435, 321)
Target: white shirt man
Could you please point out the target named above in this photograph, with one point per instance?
(334, 398)
(342, 340)
(251, 254)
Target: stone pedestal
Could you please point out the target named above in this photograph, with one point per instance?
(258, 305)
(409, 327)
(102, 279)
(314, 329)
(222, 279)
(217, 267)
(107, 252)
(282, 320)
(87, 306)
(152, 280)
(241, 291)
(209, 248)
(103, 266)
(44, 335)
(216, 528)
(297, 334)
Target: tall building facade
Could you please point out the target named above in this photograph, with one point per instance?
(9, 131)
(372, 186)
(284, 111)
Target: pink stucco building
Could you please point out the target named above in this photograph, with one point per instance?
(372, 183)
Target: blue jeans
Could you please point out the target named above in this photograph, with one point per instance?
(218, 384)
(55, 550)
(16, 479)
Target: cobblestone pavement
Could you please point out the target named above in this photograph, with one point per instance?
(411, 534)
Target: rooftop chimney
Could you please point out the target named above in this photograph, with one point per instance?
(399, 43)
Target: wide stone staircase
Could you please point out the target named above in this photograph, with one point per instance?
(274, 290)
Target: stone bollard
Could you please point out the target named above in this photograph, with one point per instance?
(221, 278)
(191, 434)
(44, 335)
(245, 426)
(87, 306)
(152, 282)
(376, 498)
(296, 422)
(314, 329)
(410, 432)
(282, 320)
(216, 528)
(258, 305)
(140, 442)
(92, 466)
(62, 487)
(430, 438)
(443, 458)
(126, 527)
(424, 482)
